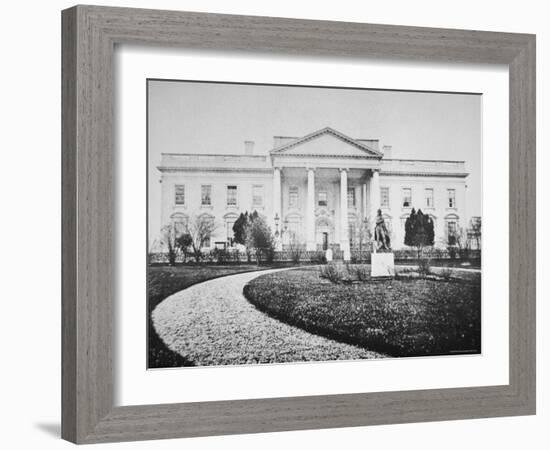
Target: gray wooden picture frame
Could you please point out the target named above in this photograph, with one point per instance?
(89, 37)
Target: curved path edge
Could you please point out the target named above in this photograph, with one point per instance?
(212, 323)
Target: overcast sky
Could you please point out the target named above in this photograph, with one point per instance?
(195, 117)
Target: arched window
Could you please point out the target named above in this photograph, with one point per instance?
(229, 220)
(207, 217)
(179, 223)
(451, 229)
(292, 228)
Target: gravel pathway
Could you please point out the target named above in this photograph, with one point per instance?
(211, 323)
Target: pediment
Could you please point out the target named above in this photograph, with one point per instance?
(326, 142)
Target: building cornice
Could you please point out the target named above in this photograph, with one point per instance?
(261, 170)
(269, 170)
(315, 155)
(221, 155)
(424, 174)
(423, 160)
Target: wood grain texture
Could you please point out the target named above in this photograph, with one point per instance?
(68, 225)
(89, 36)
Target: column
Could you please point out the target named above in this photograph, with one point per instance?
(364, 212)
(310, 213)
(374, 198)
(344, 227)
(277, 204)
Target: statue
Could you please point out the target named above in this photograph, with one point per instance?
(381, 234)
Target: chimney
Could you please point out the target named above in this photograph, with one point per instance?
(248, 147)
(386, 149)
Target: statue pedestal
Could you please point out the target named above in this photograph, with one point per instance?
(328, 255)
(382, 265)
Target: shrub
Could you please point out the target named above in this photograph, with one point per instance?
(452, 251)
(295, 254)
(221, 256)
(331, 273)
(295, 248)
(446, 274)
(437, 253)
(269, 254)
(424, 266)
(464, 253)
(260, 239)
(361, 272)
(318, 258)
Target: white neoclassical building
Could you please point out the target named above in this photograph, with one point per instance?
(314, 188)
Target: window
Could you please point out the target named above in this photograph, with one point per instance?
(180, 194)
(293, 197)
(179, 222)
(385, 197)
(322, 199)
(231, 195)
(452, 198)
(230, 234)
(257, 195)
(451, 232)
(205, 222)
(407, 197)
(429, 195)
(179, 227)
(206, 195)
(293, 230)
(351, 197)
(351, 234)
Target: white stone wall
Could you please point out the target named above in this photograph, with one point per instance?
(440, 210)
(245, 180)
(219, 208)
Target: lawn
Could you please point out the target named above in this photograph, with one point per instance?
(164, 281)
(459, 263)
(399, 317)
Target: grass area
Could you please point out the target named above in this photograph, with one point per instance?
(164, 281)
(459, 263)
(400, 317)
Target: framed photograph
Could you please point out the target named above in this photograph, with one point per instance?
(268, 222)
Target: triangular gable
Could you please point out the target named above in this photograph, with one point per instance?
(326, 142)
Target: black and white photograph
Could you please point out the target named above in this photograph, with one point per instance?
(295, 224)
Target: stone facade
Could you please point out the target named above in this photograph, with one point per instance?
(315, 190)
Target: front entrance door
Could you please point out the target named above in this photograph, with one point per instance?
(325, 240)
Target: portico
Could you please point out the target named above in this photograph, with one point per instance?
(337, 173)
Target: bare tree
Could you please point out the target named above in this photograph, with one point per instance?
(474, 232)
(200, 228)
(295, 247)
(463, 243)
(361, 234)
(154, 248)
(168, 240)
